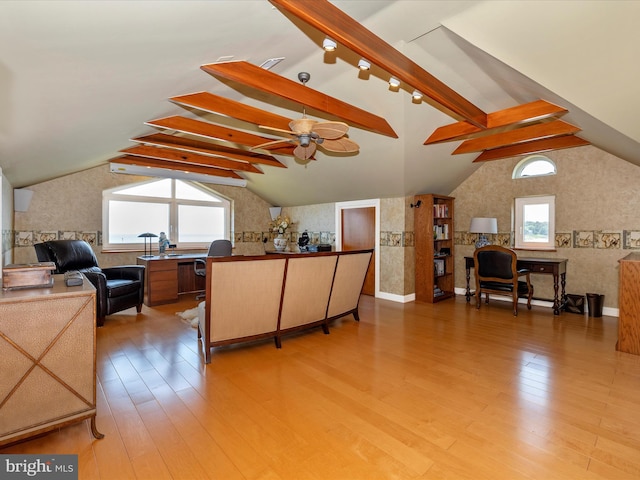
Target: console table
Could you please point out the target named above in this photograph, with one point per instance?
(168, 276)
(48, 358)
(550, 266)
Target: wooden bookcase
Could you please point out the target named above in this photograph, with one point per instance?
(434, 249)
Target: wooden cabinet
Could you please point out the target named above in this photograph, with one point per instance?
(48, 359)
(166, 277)
(629, 304)
(434, 249)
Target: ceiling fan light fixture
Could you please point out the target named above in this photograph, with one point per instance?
(416, 95)
(363, 64)
(394, 82)
(329, 45)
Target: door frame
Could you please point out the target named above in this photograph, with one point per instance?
(374, 202)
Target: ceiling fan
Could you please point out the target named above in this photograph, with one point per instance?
(307, 134)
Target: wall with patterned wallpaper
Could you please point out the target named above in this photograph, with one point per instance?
(71, 207)
(597, 216)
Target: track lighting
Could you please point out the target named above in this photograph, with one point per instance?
(416, 95)
(394, 82)
(363, 64)
(329, 45)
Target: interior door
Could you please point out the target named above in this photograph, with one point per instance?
(359, 232)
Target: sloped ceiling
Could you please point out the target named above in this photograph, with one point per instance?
(79, 79)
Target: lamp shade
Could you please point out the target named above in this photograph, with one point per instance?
(274, 212)
(483, 225)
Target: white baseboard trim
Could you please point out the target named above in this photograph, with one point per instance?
(396, 298)
(608, 311)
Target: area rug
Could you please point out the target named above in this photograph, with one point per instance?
(189, 316)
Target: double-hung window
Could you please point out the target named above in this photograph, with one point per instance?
(190, 214)
(534, 221)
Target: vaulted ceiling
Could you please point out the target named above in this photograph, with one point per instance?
(178, 83)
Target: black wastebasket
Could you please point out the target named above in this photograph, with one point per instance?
(595, 301)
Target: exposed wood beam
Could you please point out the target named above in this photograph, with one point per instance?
(189, 158)
(209, 102)
(150, 162)
(269, 82)
(536, 146)
(186, 144)
(536, 111)
(525, 134)
(330, 20)
(209, 130)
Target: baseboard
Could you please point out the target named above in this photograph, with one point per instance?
(608, 311)
(396, 298)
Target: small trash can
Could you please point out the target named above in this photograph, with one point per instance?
(595, 302)
(575, 304)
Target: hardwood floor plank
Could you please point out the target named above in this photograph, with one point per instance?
(411, 391)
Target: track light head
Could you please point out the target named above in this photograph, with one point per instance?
(329, 45)
(416, 95)
(394, 82)
(363, 64)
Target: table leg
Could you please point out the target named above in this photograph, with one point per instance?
(468, 292)
(556, 302)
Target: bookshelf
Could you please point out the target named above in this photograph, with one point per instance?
(434, 249)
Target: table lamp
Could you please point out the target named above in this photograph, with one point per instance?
(146, 236)
(483, 226)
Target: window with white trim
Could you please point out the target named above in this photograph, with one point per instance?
(190, 214)
(534, 221)
(534, 166)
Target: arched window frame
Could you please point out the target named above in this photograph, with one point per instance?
(173, 204)
(527, 161)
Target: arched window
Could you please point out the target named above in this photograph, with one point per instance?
(190, 214)
(534, 166)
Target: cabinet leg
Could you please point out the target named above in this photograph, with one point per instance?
(94, 429)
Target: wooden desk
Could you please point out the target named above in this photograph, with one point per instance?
(550, 266)
(48, 374)
(168, 276)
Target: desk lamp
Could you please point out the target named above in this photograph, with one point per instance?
(146, 236)
(482, 226)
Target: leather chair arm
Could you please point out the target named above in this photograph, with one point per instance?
(99, 281)
(125, 272)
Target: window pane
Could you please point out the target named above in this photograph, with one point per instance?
(536, 223)
(539, 167)
(200, 224)
(127, 220)
(184, 191)
(159, 189)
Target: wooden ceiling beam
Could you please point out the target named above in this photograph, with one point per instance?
(209, 130)
(186, 144)
(263, 80)
(524, 134)
(189, 158)
(536, 146)
(330, 20)
(208, 102)
(537, 111)
(181, 167)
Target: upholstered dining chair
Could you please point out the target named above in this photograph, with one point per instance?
(497, 273)
(117, 288)
(218, 248)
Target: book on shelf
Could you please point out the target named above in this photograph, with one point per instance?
(441, 232)
(439, 267)
(440, 210)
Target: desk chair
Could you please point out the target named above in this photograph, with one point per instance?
(218, 248)
(496, 272)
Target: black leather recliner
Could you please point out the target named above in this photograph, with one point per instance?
(117, 288)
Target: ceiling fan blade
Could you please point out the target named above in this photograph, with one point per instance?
(340, 145)
(278, 130)
(304, 153)
(331, 130)
(271, 144)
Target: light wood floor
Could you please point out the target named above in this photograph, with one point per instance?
(412, 391)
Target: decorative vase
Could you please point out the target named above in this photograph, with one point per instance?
(280, 242)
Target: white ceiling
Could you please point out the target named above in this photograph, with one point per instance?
(78, 79)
